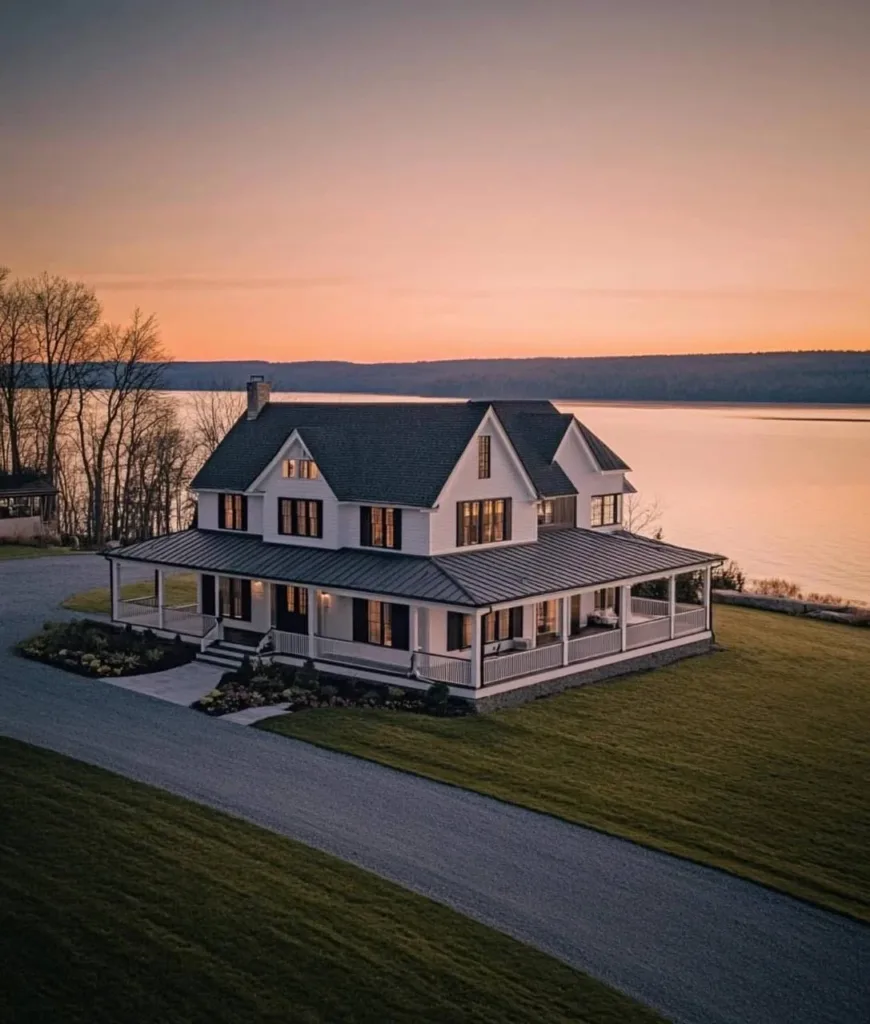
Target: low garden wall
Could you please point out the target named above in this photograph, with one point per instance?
(850, 615)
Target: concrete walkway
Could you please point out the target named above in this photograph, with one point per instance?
(182, 685)
(698, 945)
(251, 715)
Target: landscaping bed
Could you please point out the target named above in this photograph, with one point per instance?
(101, 651)
(257, 685)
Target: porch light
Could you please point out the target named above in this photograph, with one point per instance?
(325, 600)
(257, 588)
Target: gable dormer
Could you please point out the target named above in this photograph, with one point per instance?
(598, 475)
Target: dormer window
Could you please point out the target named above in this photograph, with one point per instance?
(302, 469)
(233, 512)
(483, 456)
(606, 510)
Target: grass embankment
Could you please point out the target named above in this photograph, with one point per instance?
(756, 759)
(8, 551)
(120, 902)
(179, 589)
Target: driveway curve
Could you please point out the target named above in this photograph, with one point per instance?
(698, 945)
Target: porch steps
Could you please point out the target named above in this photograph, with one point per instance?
(226, 655)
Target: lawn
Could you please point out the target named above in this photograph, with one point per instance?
(8, 551)
(121, 902)
(755, 759)
(178, 589)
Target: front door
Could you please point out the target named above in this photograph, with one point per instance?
(291, 609)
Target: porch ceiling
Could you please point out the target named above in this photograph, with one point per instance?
(560, 560)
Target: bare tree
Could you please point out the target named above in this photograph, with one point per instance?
(642, 517)
(213, 413)
(130, 364)
(65, 315)
(16, 368)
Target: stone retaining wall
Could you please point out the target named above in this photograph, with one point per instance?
(794, 606)
(642, 663)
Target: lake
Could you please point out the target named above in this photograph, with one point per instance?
(783, 490)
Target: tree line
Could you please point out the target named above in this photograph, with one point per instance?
(82, 404)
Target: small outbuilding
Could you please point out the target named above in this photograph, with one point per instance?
(28, 506)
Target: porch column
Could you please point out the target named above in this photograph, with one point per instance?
(115, 584)
(624, 612)
(708, 597)
(566, 627)
(413, 633)
(313, 612)
(672, 604)
(476, 650)
(159, 579)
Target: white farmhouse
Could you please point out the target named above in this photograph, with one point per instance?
(478, 544)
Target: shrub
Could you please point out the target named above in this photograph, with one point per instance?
(307, 677)
(776, 587)
(437, 698)
(245, 671)
(729, 577)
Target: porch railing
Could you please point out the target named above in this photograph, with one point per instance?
(347, 652)
(143, 611)
(497, 668)
(597, 645)
(649, 606)
(443, 668)
(640, 634)
(138, 608)
(694, 621)
(294, 645)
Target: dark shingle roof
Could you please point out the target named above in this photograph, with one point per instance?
(560, 560)
(397, 452)
(18, 485)
(604, 456)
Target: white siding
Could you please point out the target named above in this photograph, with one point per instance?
(585, 475)
(207, 510)
(275, 486)
(505, 481)
(255, 514)
(415, 529)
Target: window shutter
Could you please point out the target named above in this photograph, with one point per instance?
(507, 518)
(454, 631)
(365, 526)
(397, 528)
(459, 524)
(246, 600)
(244, 512)
(207, 586)
(360, 620)
(222, 511)
(401, 626)
(517, 621)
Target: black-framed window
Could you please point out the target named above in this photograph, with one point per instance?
(504, 624)
(296, 600)
(546, 613)
(232, 511)
(483, 522)
(459, 628)
(234, 598)
(380, 527)
(300, 517)
(301, 469)
(484, 460)
(606, 599)
(606, 510)
(557, 512)
(381, 623)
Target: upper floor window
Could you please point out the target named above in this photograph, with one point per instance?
(380, 527)
(558, 512)
(483, 456)
(233, 512)
(303, 469)
(483, 522)
(606, 510)
(299, 517)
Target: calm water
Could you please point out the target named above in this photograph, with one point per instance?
(784, 490)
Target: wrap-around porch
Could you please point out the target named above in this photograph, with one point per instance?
(379, 637)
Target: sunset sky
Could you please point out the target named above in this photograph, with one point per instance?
(424, 179)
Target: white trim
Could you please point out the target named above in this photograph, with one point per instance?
(490, 417)
(575, 426)
(578, 668)
(294, 436)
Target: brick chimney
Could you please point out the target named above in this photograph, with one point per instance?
(259, 390)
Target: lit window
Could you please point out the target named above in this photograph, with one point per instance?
(299, 517)
(606, 510)
(545, 616)
(483, 522)
(233, 512)
(303, 469)
(483, 456)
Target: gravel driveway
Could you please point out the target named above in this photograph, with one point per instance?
(698, 945)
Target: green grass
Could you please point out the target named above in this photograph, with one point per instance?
(119, 902)
(8, 551)
(756, 759)
(179, 589)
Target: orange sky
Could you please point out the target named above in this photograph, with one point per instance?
(398, 181)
